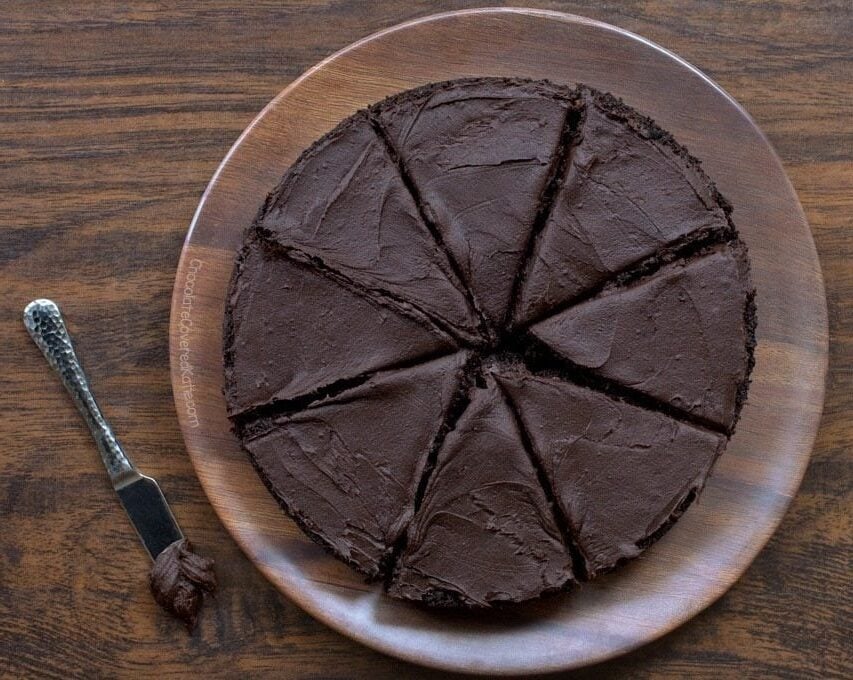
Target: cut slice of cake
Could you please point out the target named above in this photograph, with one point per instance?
(480, 153)
(290, 331)
(347, 468)
(620, 474)
(344, 204)
(681, 336)
(485, 532)
(629, 191)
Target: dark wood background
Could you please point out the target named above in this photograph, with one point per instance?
(112, 120)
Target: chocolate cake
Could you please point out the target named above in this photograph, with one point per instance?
(487, 338)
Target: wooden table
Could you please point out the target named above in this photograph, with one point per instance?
(111, 123)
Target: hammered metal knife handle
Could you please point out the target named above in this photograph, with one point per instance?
(44, 322)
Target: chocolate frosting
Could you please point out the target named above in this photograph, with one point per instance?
(488, 337)
(485, 533)
(291, 331)
(344, 202)
(629, 191)
(347, 470)
(480, 152)
(621, 474)
(179, 579)
(678, 336)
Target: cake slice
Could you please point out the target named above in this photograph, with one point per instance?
(347, 469)
(344, 204)
(621, 475)
(485, 532)
(681, 336)
(629, 191)
(291, 331)
(480, 153)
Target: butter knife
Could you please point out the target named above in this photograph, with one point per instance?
(140, 495)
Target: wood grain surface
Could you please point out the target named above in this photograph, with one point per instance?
(112, 123)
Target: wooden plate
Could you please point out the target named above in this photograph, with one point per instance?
(754, 481)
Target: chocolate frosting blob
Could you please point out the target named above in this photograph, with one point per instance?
(179, 579)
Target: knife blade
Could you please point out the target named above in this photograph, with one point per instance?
(139, 494)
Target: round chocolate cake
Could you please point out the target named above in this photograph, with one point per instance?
(487, 338)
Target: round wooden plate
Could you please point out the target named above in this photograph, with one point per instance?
(754, 481)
